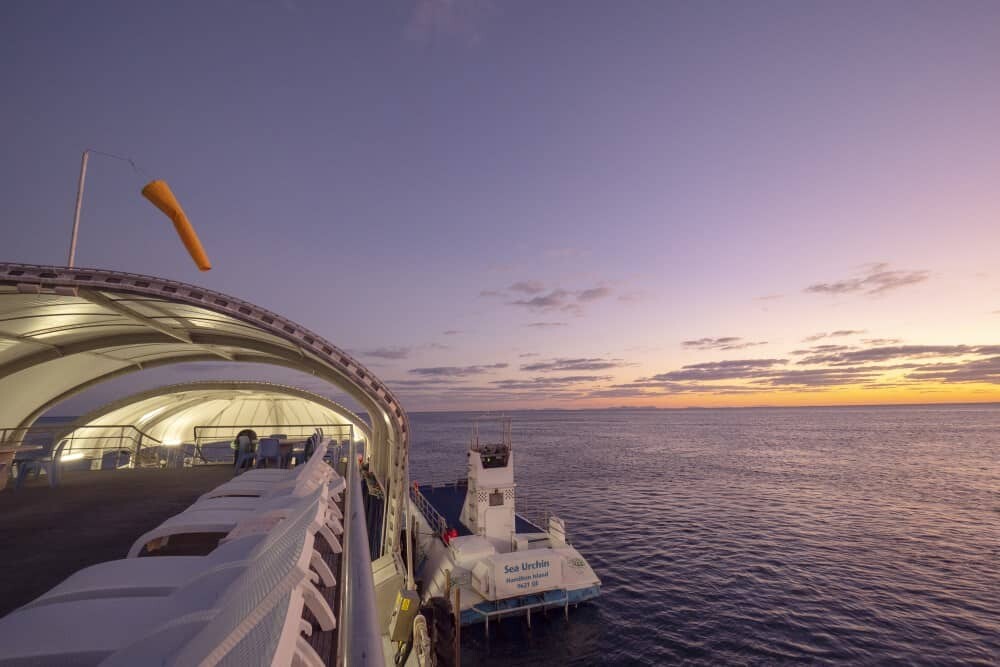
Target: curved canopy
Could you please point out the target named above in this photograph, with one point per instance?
(218, 410)
(63, 330)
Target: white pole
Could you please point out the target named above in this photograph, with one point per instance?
(79, 203)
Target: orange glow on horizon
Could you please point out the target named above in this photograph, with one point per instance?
(838, 396)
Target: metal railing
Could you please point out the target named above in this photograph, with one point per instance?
(433, 518)
(505, 444)
(359, 640)
(96, 447)
(539, 516)
(117, 446)
(212, 443)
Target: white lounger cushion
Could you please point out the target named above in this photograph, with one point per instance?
(264, 635)
(260, 624)
(234, 503)
(93, 629)
(131, 577)
(147, 577)
(210, 521)
(83, 632)
(334, 488)
(314, 471)
(207, 519)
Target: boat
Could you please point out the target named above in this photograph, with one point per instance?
(474, 548)
(63, 330)
(66, 329)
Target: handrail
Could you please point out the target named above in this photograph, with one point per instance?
(127, 433)
(301, 427)
(434, 518)
(68, 428)
(359, 641)
(66, 439)
(204, 442)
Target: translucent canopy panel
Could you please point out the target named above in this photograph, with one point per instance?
(216, 411)
(63, 330)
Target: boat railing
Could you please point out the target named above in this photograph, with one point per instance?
(434, 518)
(92, 447)
(505, 442)
(533, 513)
(358, 638)
(212, 443)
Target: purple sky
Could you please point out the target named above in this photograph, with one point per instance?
(458, 191)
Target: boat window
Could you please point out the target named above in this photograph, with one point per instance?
(496, 498)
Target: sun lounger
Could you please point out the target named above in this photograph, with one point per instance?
(251, 500)
(138, 577)
(257, 482)
(199, 623)
(204, 520)
(249, 504)
(270, 635)
(224, 509)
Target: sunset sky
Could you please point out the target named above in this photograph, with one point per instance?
(541, 204)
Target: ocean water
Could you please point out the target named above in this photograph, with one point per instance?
(756, 536)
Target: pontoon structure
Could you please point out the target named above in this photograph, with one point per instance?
(63, 330)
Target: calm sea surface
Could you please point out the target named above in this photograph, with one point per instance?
(758, 536)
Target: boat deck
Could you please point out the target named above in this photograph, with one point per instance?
(448, 499)
(91, 517)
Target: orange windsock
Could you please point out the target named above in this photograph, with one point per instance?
(159, 193)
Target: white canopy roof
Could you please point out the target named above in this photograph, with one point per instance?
(63, 330)
(219, 409)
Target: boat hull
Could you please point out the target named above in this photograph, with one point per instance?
(533, 571)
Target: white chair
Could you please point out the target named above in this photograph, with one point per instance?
(270, 635)
(244, 453)
(227, 596)
(138, 577)
(202, 518)
(268, 449)
(256, 484)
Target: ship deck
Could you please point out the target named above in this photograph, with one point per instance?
(91, 517)
(448, 499)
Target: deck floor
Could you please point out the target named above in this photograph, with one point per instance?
(448, 499)
(91, 517)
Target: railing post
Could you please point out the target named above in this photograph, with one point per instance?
(121, 443)
(458, 626)
(138, 447)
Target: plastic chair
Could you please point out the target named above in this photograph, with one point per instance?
(300, 457)
(161, 576)
(268, 449)
(246, 454)
(194, 624)
(26, 467)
